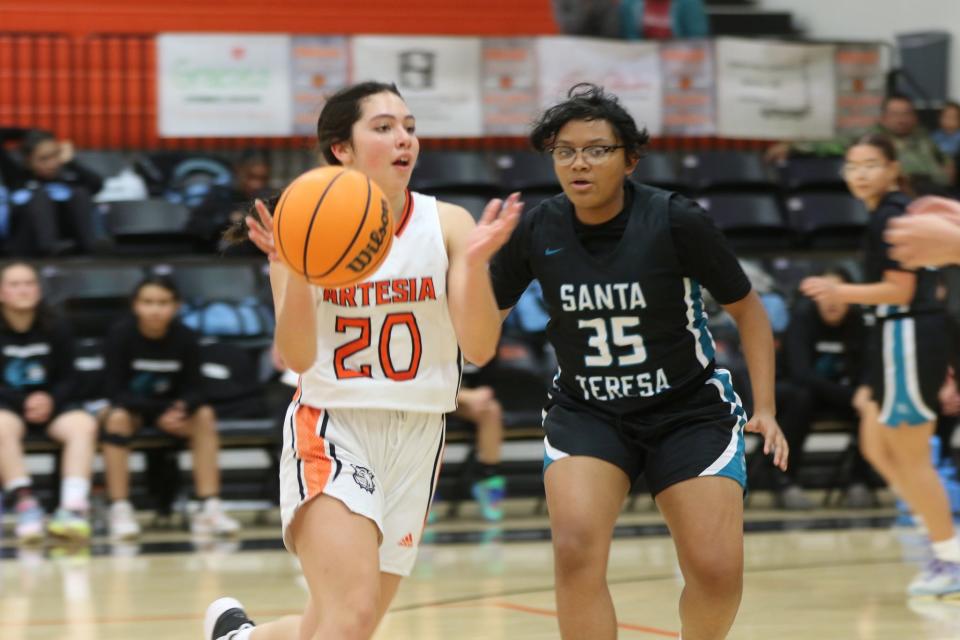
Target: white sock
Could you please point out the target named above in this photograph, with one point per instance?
(211, 505)
(17, 483)
(246, 634)
(947, 550)
(75, 493)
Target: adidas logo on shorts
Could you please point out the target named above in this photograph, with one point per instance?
(406, 541)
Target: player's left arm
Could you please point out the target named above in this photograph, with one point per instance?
(756, 337)
(470, 298)
(705, 256)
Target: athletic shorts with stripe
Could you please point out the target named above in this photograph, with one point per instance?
(907, 365)
(700, 435)
(381, 464)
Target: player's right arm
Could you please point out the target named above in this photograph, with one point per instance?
(295, 335)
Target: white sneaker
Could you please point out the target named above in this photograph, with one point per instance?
(212, 521)
(225, 619)
(123, 523)
(30, 517)
(939, 578)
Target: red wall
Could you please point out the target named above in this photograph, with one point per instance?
(477, 17)
(86, 68)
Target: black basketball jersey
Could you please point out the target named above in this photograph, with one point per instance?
(629, 327)
(877, 260)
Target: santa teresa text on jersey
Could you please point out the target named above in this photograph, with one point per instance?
(610, 332)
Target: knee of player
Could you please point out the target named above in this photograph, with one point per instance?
(119, 422)
(491, 410)
(576, 548)
(80, 424)
(716, 572)
(11, 425)
(356, 620)
(205, 416)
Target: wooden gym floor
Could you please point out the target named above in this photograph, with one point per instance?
(824, 576)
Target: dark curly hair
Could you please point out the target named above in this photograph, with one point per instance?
(586, 101)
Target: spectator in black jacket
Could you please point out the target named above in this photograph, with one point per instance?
(36, 393)
(226, 205)
(822, 362)
(153, 378)
(52, 210)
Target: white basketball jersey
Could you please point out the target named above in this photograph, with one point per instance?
(388, 342)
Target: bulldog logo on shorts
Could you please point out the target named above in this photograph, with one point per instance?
(364, 478)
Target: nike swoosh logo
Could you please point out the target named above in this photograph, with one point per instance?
(550, 252)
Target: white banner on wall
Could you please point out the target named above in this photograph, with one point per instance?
(775, 90)
(630, 70)
(223, 85)
(319, 66)
(438, 77)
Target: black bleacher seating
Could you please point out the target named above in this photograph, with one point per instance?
(827, 220)
(749, 220)
(148, 227)
(473, 204)
(440, 172)
(527, 171)
(91, 296)
(813, 174)
(727, 171)
(107, 163)
(219, 281)
(660, 170)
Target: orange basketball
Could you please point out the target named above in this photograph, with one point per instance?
(333, 226)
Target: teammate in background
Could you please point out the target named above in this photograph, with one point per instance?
(363, 440)
(480, 406)
(621, 266)
(907, 361)
(36, 361)
(153, 378)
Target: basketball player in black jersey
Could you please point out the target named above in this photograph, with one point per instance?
(637, 391)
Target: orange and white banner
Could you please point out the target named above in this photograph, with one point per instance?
(689, 107)
(320, 66)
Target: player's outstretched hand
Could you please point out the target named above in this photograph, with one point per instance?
(261, 230)
(773, 439)
(499, 219)
(926, 240)
(820, 289)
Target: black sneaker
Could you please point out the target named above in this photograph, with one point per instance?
(225, 619)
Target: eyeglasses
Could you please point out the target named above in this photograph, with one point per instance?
(592, 154)
(850, 169)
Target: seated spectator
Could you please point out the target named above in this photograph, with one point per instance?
(52, 210)
(153, 378)
(822, 365)
(632, 19)
(479, 406)
(925, 168)
(226, 205)
(947, 137)
(36, 393)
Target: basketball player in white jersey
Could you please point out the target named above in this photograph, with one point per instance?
(380, 366)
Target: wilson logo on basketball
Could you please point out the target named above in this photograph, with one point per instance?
(377, 237)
